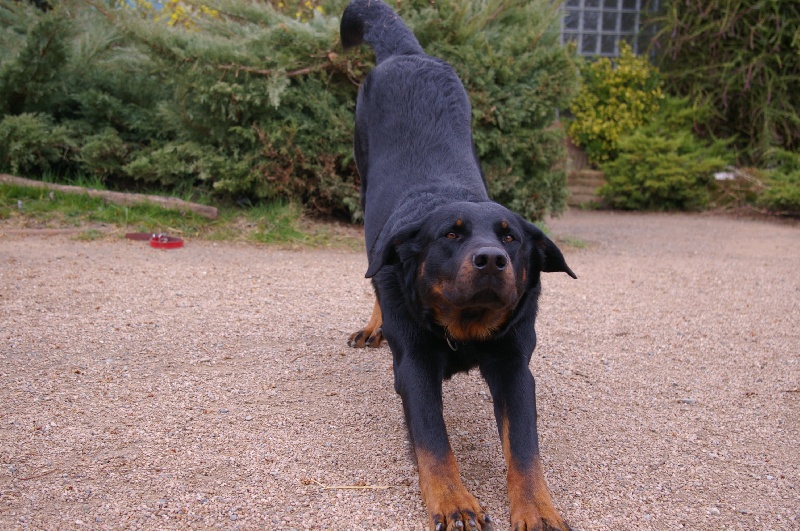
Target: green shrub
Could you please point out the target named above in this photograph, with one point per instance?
(782, 180)
(31, 143)
(103, 154)
(615, 98)
(741, 58)
(31, 68)
(243, 101)
(663, 165)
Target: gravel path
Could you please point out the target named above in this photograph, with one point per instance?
(211, 386)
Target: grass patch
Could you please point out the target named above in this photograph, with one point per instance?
(43, 208)
(575, 243)
(277, 222)
(280, 223)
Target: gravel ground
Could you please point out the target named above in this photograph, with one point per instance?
(211, 386)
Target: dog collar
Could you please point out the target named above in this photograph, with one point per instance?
(158, 241)
(452, 343)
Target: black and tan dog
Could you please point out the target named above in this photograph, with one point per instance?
(456, 275)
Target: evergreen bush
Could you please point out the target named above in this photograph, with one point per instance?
(31, 143)
(782, 180)
(742, 59)
(241, 100)
(663, 165)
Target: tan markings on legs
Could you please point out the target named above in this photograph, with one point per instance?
(446, 498)
(370, 335)
(531, 504)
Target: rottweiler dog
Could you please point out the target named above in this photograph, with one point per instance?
(456, 275)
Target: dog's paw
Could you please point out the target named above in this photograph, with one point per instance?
(534, 521)
(462, 520)
(366, 338)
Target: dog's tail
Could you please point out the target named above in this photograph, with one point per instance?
(375, 23)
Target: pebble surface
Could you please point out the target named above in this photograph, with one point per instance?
(212, 386)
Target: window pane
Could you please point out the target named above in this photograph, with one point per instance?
(589, 44)
(630, 4)
(591, 3)
(571, 20)
(608, 45)
(610, 4)
(590, 20)
(570, 37)
(609, 21)
(573, 3)
(629, 23)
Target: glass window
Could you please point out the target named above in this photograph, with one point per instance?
(629, 22)
(597, 26)
(609, 21)
(590, 20)
(570, 37)
(608, 45)
(572, 20)
(589, 43)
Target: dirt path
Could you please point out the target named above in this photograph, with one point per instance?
(211, 386)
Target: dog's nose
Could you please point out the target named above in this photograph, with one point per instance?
(490, 260)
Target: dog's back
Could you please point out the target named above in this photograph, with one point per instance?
(413, 134)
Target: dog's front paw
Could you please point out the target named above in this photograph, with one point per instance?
(532, 519)
(366, 338)
(462, 519)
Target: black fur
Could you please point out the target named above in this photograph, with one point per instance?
(429, 226)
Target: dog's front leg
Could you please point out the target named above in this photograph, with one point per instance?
(514, 393)
(450, 505)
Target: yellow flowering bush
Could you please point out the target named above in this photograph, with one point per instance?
(302, 10)
(174, 13)
(185, 13)
(615, 98)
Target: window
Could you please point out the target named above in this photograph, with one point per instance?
(597, 26)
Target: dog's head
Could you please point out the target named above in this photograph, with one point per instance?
(468, 265)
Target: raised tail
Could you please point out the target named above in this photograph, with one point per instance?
(377, 24)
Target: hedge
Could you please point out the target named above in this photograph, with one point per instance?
(241, 101)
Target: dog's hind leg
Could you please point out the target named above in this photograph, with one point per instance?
(371, 335)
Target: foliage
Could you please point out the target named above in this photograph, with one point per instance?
(47, 207)
(276, 222)
(242, 100)
(782, 180)
(171, 12)
(742, 58)
(30, 142)
(663, 165)
(615, 98)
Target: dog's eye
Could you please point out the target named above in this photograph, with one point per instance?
(452, 235)
(507, 238)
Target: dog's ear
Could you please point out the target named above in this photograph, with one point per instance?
(392, 248)
(549, 255)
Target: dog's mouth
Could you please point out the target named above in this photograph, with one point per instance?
(486, 299)
(493, 294)
(474, 323)
(475, 316)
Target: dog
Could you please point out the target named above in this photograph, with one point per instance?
(456, 275)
